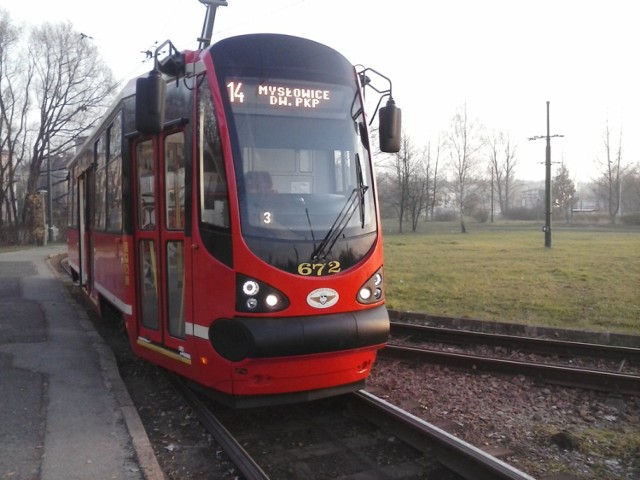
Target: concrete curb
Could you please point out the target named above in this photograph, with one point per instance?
(147, 460)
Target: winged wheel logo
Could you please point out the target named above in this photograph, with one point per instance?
(323, 298)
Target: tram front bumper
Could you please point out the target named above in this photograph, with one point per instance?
(240, 338)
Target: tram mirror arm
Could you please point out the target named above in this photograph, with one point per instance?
(174, 64)
(390, 119)
(151, 90)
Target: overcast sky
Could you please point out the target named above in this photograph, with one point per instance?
(503, 58)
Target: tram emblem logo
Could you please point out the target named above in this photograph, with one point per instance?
(323, 298)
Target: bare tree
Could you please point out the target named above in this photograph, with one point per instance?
(612, 169)
(403, 168)
(419, 188)
(72, 87)
(463, 143)
(14, 106)
(409, 188)
(502, 161)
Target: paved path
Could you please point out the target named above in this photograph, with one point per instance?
(64, 413)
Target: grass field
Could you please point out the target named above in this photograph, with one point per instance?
(589, 279)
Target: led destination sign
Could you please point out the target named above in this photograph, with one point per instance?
(283, 97)
(298, 97)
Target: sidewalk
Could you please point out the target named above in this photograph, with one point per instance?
(64, 412)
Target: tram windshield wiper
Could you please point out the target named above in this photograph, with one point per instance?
(354, 201)
(306, 211)
(362, 189)
(339, 224)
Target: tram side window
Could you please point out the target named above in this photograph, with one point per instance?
(100, 192)
(146, 186)
(73, 185)
(214, 203)
(114, 178)
(176, 288)
(174, 180)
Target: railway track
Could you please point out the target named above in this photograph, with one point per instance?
(175, 430)
(357, 436)
(516, 342)
(596, 379)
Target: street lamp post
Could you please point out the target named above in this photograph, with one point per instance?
(547, 183)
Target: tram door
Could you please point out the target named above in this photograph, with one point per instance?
(162, 260)
(85, 248)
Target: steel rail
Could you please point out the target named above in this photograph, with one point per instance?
(238, 455)
(516, 342)
(455, 454)
(567, 376)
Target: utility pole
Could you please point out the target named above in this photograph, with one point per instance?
(547, 183)
(49, 195)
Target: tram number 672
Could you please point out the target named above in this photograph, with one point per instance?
(319, 269)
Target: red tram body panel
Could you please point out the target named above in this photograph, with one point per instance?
(240, 240)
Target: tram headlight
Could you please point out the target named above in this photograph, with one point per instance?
(271, 300)
(365, 293)
(256, 296)
(250, 287)
(373, 289)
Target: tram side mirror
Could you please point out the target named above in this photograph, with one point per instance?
(390, 127)
(150, 97)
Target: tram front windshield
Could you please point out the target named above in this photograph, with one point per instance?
(303, 173)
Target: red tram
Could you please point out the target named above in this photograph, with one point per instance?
(226, 208)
